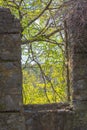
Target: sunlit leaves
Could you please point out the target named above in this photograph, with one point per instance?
(33, 91)
(42, 50)
(51, 59)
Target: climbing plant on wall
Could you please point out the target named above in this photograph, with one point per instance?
(44, 40)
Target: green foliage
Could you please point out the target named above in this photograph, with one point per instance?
(43, 49)
(48, 87)
(34, 90)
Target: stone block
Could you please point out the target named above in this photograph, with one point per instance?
(79, 60)
(10, 103)
(82, 72)
(80, 105)
(50, 118)
(10, 75)
(10, 86)
(11, 121)
(8, 23)
(41, 107)
(80, 120)
(10, 47)
(80, 85)
(11, 110)
(80, 95)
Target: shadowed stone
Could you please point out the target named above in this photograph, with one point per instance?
(8, 24)
(11, 115)
(76, 24)
(10, 47)
(43, 117)
(11, 121)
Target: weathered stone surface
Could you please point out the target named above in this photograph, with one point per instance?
(78, 51)
(10, 62)
(10, 76)
(80, 120)
(8, 24)
(49, 116)
(10, 103)
(10, 47)
(11, 121)
(10, 86)
(80, 105)
(49, 119)
(76, 24)
(41, 107)
(11, 116)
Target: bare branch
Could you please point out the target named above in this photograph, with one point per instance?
(54, 32)
(42, 73)
(39, 14)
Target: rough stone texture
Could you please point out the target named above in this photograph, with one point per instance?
(11, 121)
(45, 117)
(8, 24)
(77, 22)
(10, 85)
(77, 30)
(10, 67)
(10, 47)
(40, 107)
(51, 117)
(11, 116)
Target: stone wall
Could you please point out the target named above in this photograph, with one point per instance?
(77, 36)
(10, 73)
(67, 118)
(49, 116)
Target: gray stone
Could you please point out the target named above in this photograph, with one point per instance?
(11, 107)
(8, 24)
(10, 47)
(49, 118)
(77, 31)
(11, 121)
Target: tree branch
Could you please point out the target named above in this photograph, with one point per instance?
(39, 14)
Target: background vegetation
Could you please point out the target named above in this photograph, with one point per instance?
(44, 41)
